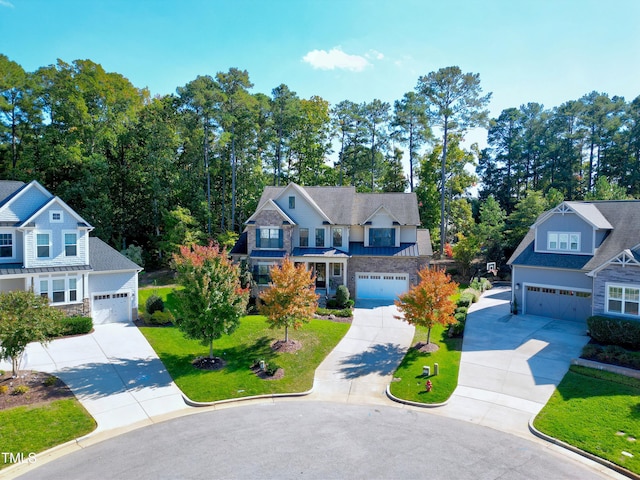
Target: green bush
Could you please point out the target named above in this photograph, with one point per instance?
(465, 300)
(344, 313)
(342, 296)
(74, 326)
(615, 331)
(332, 303)
(612, 354)
(20, 390)
(50, 381)
(461, 310)
(271, 369)
(159, 318)
(486, 284)
(154, 304)
(473, 293)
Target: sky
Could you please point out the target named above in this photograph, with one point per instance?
(545, 51)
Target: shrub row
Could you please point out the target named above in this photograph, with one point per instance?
(158, 317)
(74, 326)
(334, 303)
(467, 297)
(481, 285)
(615, 331)
(344, 313)
(612, 354)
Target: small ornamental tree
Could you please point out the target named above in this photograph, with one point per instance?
(25, 318)
(429, 302)
(291, 297)
(212, 301)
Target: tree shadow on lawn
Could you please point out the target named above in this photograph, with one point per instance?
(379, 359)
(238, 357)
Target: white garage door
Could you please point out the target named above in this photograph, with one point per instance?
(111, 308)
(381, 286)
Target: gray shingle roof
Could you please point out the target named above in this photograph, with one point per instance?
(622, 215)
(8, 188)
(104, 258)
(344, 206)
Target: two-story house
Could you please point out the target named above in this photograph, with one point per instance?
(580, 259)
(369, 242)
(45, 247)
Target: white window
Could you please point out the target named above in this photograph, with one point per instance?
(73, 289)
(70, 244)
(623, 300)
(59, 289)
(564, 242)
(6, 245)
(55, 216)
(43, 245)
(337, 237)
(44, 288)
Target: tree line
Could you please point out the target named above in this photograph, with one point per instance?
(163, 171)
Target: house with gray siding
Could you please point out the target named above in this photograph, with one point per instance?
(369, 242)
(580, 259)
(46, 247)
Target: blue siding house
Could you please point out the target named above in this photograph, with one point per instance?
(45, 247)
(580, 259)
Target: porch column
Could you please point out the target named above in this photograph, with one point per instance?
(344, 274)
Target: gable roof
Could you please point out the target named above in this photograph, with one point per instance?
(9, 188)
(345, 206)
(56, 200)
(104, 258)
(274, 206)
(620, 217)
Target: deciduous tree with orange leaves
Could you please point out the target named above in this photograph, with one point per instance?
(212, 301)
(429, 302)
(290, 300)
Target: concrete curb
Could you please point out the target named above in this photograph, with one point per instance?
(627, 372)
(227, 401)
(594, 458)
(412, 403)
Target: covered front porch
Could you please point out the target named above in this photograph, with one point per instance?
(329, 266)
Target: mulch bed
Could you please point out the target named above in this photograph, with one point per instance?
(265, 376)
(286, 347)
(423, 347)
(206, 363)
(39, 392)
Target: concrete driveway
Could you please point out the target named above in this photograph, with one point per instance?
(113, 371)
(361, 366)
(511, 364)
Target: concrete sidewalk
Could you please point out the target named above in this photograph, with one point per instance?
(361, 366)
(113, 371)
(510, 364)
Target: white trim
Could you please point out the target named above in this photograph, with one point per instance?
(381, 207)
(52, 214)
(554, 287)
(623, 286)
(14, 248)
(64, 243)
(270, 227)
(129, 297)
(306, 196)
(623, 259)
(36, 245)
(23, 190)
(50, 278)
(563, 250)
(274, 206)
(60, 202)
(315, 237)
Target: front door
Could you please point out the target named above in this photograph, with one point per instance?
(321, 275)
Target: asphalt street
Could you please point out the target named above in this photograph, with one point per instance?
(314, 440)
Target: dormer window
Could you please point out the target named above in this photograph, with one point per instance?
(55, 216)
(382, 237)
(563, 242)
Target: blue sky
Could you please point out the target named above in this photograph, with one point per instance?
(546, 51)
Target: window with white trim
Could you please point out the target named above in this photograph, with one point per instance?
(304, 237)
(337, 237)
(55, 216)
(6, 245)
(319, 237)
(623, 300)
(61, 289)
(563, 241)
(70, 244)
(43, 245)
(269, 237)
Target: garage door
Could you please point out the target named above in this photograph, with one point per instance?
(557, 303)
(381, 286)
(111, 308)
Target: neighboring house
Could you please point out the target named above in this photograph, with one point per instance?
(580, 259)
(369, 242)
(45, 247)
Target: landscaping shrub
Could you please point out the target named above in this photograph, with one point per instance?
(486, 284)
(159, 318)
(344, 313)
(465, 300)
(74, 326)
(154, 304)
(612, 354)
(473, 293)
(615, 331)
(332, 303)
(342, 296)
(461, 310)
(271, 369)
(20, 390)
(50, 381)
(4, 389)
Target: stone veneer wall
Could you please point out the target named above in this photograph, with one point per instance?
(269, 218)
(76, 309)
(409, 265)
(629, 275)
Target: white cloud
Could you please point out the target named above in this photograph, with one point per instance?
(335, 58)
(5, 3)
(375, 54)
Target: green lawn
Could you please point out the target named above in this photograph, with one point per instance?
(411, 385)
(598, 412)
(250, 342)
(166, 293)
(37, 428)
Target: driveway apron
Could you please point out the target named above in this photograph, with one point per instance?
(113, 371)
(361, 366)
(510, 364)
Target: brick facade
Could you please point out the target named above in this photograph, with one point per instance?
(270, 218)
